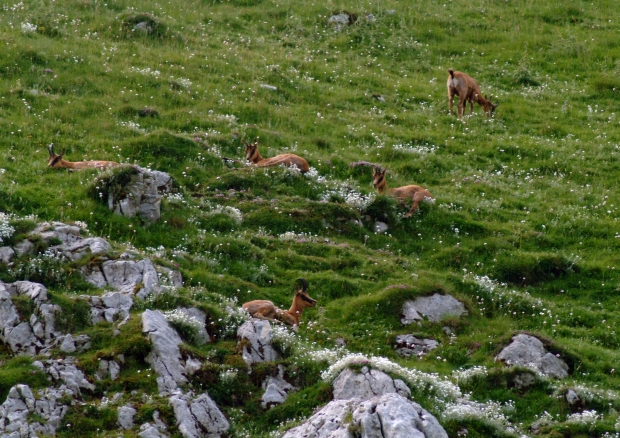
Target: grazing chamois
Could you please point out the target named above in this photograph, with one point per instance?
(252, 155)
(415, 193)
(57, 162)
(264, 309)
(467, 89)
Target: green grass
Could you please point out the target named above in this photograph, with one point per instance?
(529, 198)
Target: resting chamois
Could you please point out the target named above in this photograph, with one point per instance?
(252, 154)
(57, 162)
(264, 309)
(467, 89)
(415, 193)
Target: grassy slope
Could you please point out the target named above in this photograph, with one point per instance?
(529, 197)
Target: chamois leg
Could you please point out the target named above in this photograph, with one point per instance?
(451, 101)
(461, 108)
(417, 198)
(471, 107)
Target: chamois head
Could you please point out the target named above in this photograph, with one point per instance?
(251, 150)
(488, 106)
(378, 176)
(301, 294)
(55, 159)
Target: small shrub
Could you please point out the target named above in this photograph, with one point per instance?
(143, 25)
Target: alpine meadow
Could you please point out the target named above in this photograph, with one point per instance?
(121, 311)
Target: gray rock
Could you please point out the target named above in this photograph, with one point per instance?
(528, 351)
(388, 415)
(165, 358)
(24, 247)
(572, 397)
(108, 368)
(367, 384)
(435, 308)
(125, 416)
(6, 254)
(68, 344)
(370, 18)
(339, 19)
(524, 380)
(110, 307)
(143, 196)
(255, 336)
(143, 27)
(198, 417)
(380, 227)
(409, 345)
(149, 431)
(276, 389)
(169, 276)
(127, 276)
(83, 247)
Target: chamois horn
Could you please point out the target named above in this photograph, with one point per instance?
(50, 149)
(304, 284)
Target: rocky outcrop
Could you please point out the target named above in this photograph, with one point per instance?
(142, 195)
(202, 336)
(528, 351)
(198, 417)
(388, 415)
(21, 404)
(73, 246)
(110, 307)
(110, 368)
(367, 384)
(276, 389)
(6, 254)
(125, 416)
(435, 308)
(165, 357)
(27, 335)
(409, 345)
(255, 339)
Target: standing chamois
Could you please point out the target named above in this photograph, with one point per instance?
(252, 155)
(264, 309)
(415, 193)
(57, 162)
(467, 89)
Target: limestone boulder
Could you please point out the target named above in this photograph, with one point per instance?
(126, 415)
(255, 338)
(529, 351)
(389, 415)
(198, 416)
(435, 308)
(6, 254)
(367, 384)
(409, 345)
(165, 357)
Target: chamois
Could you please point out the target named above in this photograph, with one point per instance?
(264, 309)
(252, 154)
(467, 89)
(57, 162)
(415, 193)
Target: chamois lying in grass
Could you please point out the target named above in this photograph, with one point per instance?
(264, 309)
(57, 162)
(252, 154)
(415, 193)
(467, 89)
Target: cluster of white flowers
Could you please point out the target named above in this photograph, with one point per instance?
(420, 150)
(589, 394)
(230, 119)
(312, 173)
(133, 126)
(227, 376)
(291, 236)
(290, 342)
(493, 413)
(443, 390)
(6, 230)
(183, 82)
(232, 212)
(350, 196)
(145, 71)
(585, 417)
(177, 316)
(175, 198)
(29, 28)
(465, 375)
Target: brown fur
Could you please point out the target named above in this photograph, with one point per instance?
(467, 90)
(252, 154)
(264, 309)
(416, 193)
(57, 162)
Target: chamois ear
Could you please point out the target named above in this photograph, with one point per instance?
(256, 141)
(62, 154)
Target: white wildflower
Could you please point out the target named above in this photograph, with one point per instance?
(29, 28)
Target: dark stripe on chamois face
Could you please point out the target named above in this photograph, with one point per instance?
(55, 160)
(306, 298)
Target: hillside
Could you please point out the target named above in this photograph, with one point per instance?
(523, 230)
